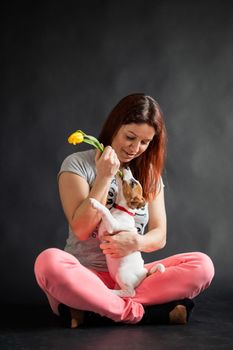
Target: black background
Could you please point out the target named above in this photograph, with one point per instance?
(64, 65)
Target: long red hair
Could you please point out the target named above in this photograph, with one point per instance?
(139, 108)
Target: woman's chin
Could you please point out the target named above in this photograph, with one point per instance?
(126, 159)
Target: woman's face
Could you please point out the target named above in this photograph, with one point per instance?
(132, 140)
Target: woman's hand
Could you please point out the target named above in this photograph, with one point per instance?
(120, 244)
(107, 163)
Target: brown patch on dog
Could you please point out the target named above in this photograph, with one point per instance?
(133, 194)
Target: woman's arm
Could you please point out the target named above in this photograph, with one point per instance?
(124, 242)
(75, 193)
(155, 238)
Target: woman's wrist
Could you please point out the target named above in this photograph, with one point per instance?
(104, 179)
(140, 244)
(151, 241)
(100, 188)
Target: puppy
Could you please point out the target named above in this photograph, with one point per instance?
(127, 271)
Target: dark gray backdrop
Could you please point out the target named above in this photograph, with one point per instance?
(64, 66)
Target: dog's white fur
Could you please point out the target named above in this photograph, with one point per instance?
(127, 271)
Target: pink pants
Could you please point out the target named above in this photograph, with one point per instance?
(66, 281)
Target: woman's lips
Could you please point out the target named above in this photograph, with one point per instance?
(130, 155)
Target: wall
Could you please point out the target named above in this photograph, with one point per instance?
(64, 66)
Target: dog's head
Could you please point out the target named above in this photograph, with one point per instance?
(132, 190)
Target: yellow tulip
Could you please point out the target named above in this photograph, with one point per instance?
(76, 137)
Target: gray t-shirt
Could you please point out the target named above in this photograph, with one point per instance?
(88, 252)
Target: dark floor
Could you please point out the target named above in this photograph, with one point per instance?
(35, 327)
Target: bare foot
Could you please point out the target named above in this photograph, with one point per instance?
(77, 318)
(178, 315)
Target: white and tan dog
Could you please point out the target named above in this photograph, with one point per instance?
(127, 271)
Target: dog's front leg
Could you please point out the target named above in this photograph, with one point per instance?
(110, 223)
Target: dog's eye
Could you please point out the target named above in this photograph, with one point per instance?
(133, 183)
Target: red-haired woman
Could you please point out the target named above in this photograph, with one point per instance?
(76, 280)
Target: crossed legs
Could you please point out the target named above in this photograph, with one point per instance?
(66, 281)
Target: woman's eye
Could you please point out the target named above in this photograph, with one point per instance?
(145, 142)
(130, 138)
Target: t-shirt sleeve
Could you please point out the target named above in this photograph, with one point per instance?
(79, 164)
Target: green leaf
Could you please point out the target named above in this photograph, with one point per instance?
(93, 141)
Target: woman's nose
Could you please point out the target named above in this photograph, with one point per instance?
(135, 146)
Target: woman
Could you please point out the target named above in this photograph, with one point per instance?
(77, 278)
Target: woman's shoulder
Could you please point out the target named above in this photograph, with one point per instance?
(81, 163)
(87, 157)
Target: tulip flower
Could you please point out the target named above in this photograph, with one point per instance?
(76, 137)
(79, 136)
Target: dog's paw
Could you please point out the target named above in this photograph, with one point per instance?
(94, 203)
(124, 293)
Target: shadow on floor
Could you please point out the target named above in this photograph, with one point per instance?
(34, 327)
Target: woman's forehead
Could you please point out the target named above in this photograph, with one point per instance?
(143, 131)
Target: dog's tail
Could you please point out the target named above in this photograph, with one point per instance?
(155, 268)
